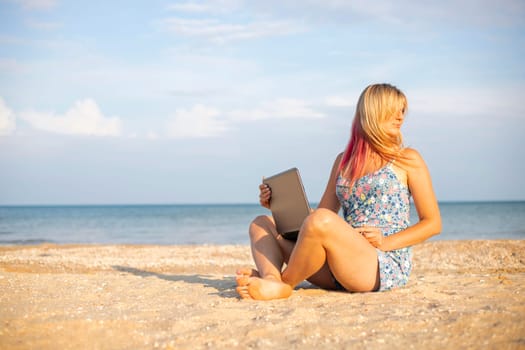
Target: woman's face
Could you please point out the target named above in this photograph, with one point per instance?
(392, 125)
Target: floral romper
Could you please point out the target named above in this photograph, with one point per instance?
(379, 199)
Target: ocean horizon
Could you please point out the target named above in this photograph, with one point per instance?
(214, 223)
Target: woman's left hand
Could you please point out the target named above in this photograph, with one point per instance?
(372, 234)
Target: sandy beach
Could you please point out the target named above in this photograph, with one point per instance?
(462, 294)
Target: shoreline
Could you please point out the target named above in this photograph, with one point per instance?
(460, 294)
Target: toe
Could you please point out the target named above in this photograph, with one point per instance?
(243, 292)
(246, 271)
(242, 280)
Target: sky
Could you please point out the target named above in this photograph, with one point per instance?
(161, 102)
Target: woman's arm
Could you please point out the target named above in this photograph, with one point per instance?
(329, 199)
(420, 185)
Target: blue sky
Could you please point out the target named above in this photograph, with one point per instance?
(194, 101)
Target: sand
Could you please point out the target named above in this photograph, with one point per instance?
(462, 294)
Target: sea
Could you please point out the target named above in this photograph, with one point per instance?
(214, 224)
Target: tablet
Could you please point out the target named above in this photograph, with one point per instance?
(288, 204)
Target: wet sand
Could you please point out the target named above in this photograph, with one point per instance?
(462, 294)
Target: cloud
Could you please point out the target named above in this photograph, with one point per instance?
(42, 25)
(84, 118)
(220, 32)
(203, 122)
(37, 4)
(190, 7)
(198, 122)
(10, 66)
(478, 13)
(216, 6)
(211, 24)
(152, 135)
(495, 101)
(7, 119)
(283, 108)
(341, 101)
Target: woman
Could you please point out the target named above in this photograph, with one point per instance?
(369, 249)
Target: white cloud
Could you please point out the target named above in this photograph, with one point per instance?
(452, 101)
(220, 32)
(84, 118)
(202, 122)
(37, 4)
(190, 7)
(283, 108)
(7, 119)
(342, 101)
(495, 102)
(9, 65)
(214, 6)
(42, 25)
(198, 122)
(152, 135)
(403, 12)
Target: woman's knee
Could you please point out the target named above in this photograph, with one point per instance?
(262, 222)
(319, 222)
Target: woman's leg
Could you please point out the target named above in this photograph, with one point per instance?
(270, 251)
(325, 239)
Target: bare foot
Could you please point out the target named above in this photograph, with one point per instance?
(246, 271)
(262, 288)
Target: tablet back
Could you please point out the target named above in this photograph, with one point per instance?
(288, 203)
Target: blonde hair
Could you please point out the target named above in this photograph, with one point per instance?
(377, 104)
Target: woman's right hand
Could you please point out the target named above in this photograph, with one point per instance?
(265, 195)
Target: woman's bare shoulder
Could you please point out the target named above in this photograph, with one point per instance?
(337, 163)
(338, 160)
(412, 158)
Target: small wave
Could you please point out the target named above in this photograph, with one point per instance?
(24, 241)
